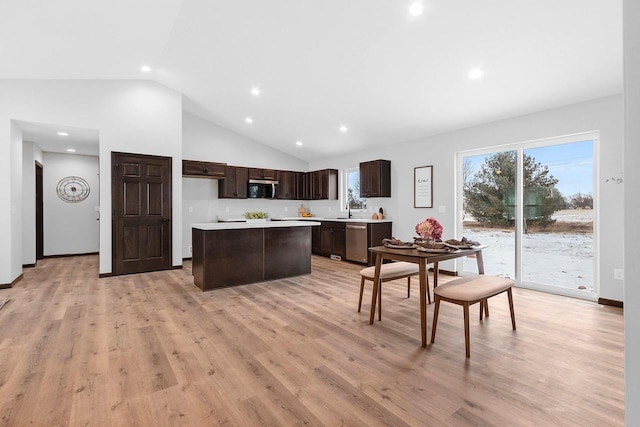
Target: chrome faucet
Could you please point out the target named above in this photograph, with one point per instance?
(349, 209)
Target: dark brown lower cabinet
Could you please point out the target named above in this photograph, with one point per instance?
(315, 240)
(223, 258)
(330, 238)
(376, 231)
(333, 238)
(287, 252)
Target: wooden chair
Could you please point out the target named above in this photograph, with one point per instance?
(390, 271)
(467, 291)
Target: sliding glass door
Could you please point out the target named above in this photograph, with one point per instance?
(488, 209)
(557, 245)
(533, 205)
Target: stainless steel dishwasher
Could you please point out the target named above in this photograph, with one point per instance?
(357, 247)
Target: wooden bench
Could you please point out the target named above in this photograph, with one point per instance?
(467, 291)
(390, 271)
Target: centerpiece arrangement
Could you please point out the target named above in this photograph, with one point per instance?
(256, 216)
(430, 232)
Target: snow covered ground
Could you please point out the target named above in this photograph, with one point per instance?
(557, 259)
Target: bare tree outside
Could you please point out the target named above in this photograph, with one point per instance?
(354, 201)
(467, 175)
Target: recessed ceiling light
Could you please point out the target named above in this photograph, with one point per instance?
(299, 143)
(256, 91)
(145, 68)
(71, 150)
(248, 120)
(416, 8)
(343, 129)
(63, 134)
(476, 73)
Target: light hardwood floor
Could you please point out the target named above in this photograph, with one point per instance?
(152, 349)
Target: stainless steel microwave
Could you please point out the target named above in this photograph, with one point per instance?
(262, 189)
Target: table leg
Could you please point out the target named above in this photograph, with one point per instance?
(435, 275)
(480, 262)
(374, 292)
(424, 285)
(485, 305)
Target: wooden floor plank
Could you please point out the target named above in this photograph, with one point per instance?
(153, 349)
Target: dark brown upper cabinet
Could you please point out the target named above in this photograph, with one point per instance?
(375, 178)
(197, 168)
(286, 185)
(234, 184)
(255, 173)
(324, 184)
(303, 185)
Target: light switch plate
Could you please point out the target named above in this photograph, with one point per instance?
(618, 273)
(442, 209)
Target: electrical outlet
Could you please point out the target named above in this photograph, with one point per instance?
(190, 250)
(329, 208)
(618, 273)
(286, 209)
(442, 209)
(226, 209)
(190, 209)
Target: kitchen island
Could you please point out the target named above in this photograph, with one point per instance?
(238, 253)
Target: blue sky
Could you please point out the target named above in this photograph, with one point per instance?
(571, 164)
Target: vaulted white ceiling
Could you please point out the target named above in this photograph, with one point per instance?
(366, 64)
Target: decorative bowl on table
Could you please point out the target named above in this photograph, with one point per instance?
(428, 243)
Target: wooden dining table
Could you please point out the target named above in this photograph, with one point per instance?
(422, 259)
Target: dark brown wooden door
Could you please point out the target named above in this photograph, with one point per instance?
(141, 199)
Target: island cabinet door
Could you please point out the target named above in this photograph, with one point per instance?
(224, 258)
(287, 252)
(315, 240)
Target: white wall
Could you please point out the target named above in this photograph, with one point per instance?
(11, 266)
(203, 140)
(30, 154)
(131, 116)
(70, 228)
(631, 27)
(605, 115)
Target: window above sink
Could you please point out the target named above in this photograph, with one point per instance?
(350, 192)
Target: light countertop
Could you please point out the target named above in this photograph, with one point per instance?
(341, 219)
(244, 225)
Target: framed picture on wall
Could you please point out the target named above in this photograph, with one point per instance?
(423, 187)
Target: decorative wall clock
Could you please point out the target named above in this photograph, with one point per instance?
(73, 189)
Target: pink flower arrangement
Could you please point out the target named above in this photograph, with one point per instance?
(430, 228)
